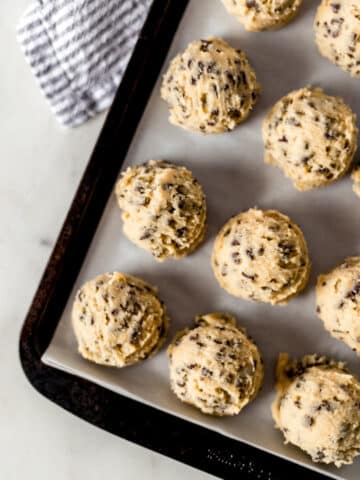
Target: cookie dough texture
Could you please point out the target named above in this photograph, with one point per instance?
(215, 366)
(118, 320)
(210, 87)
(337, 30)
(311, 137)
(164, 209)
(356, 179)
(258, 15)
(338, 302)
(261, 255)
(317, 408)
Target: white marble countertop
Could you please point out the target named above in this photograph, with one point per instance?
(41, 167)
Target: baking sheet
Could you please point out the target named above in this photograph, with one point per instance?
(234, 177)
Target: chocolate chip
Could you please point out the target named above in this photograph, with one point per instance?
(194, 337)
(230, 378)
(354, 291)
(249, 277)
(135, 333)
(204, 47)
(230, 77)
(345, 428)
(320, 455)
(206, 372)
(236, 257)
(325, 405)
(294, 122)
(309, 421)
(180, 232)
(335, 7)
(286, 248)
(147, 234)
(243, 77)
(250, 253)
(251, 4)
(140, 189)
(234, 113)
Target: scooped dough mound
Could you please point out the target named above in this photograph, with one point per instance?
(338, 302)
(215, 366)
(337, 30)
(356, 179)
(258, 15)
(261, 255)
(311, 137)
(118, 320)
(317, 408)
(210, 87)
(164, 209)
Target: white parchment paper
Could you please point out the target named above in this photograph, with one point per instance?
(230, 167)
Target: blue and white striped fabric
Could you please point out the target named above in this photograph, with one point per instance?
(78, 51)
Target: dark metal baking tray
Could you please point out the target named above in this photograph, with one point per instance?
(126, 418)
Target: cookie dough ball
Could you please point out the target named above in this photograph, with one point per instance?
(210, 87)
(338, 302)
(261, 255)
(118, 320)
(356, 178)
(215, 366)
(258, 15)
(311, 136)
(164, 209)
(337, 30)
(317, 408)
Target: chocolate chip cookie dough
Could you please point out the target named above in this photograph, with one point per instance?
(317, 408)
(311, 137)
(262, 256)
(210, 87)
(338, 302)
(337, 30)
(164, 209)
(215, 366)
(118, 320)
(356, 179)
(258, 15)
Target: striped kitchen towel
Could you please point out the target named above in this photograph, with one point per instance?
(78, 51)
